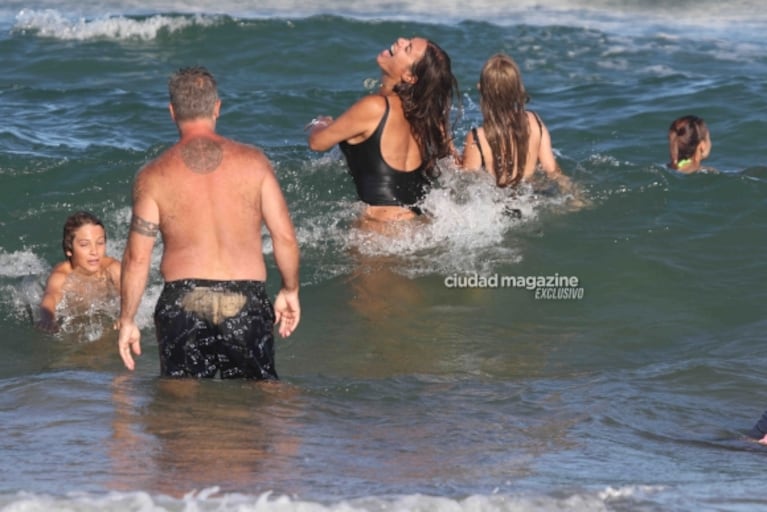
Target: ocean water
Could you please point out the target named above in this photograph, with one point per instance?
(425, 375)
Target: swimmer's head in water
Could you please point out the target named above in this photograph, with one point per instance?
(72, 224)
(686, 136)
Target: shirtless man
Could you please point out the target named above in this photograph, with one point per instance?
(209, 196)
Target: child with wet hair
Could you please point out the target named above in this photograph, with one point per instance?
(88, 278)
(512, 144)
(689, 143)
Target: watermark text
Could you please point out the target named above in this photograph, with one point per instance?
(546, 287)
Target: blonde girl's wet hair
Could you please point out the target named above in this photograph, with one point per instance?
(684, 136)
(502, 102)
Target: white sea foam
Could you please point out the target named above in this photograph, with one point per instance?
(210, 500)
(113, 18)
(22, 273)
(468, 220)
(469, 225)
(21, 263)
(55, 24)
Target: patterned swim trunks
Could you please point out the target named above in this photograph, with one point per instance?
(205, 327)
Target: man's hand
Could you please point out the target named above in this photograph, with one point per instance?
(287, 312)
(129, 340)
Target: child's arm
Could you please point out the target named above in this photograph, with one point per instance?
(51, 298)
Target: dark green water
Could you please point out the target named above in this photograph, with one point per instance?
(399, 390)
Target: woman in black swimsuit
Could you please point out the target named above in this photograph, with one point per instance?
(394, 139)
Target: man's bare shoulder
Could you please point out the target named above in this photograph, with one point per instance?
(158, 164)
(248, 157)
(151, 178)
(246, 150)
(184, 157)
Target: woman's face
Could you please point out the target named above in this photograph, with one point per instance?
(398, 60)
(88, 248)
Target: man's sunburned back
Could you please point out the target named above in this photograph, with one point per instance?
(209, 198)
(208, 193)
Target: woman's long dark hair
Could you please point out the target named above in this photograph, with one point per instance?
(427, 103)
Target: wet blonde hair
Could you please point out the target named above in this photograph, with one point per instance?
(502, 102)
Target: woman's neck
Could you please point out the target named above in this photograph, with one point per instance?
(387, 86)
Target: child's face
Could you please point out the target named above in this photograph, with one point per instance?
(88, 248)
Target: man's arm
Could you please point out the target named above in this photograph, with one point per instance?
(276, 216)
(136, 261)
